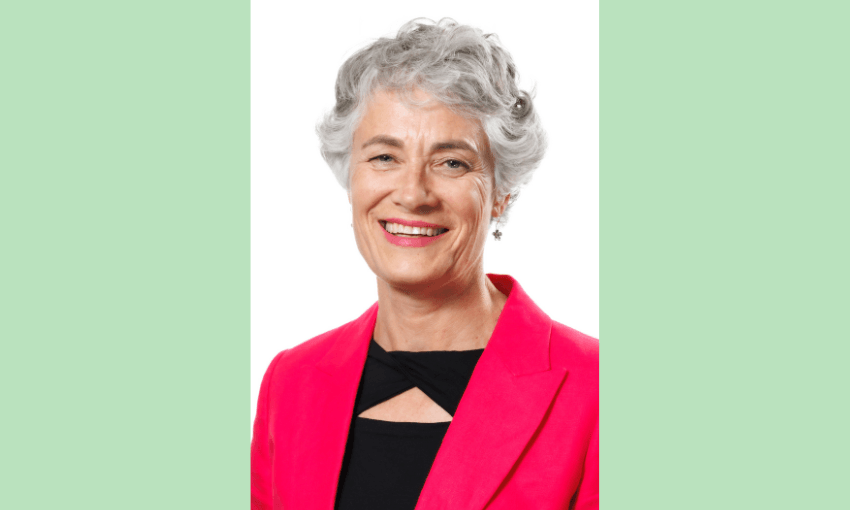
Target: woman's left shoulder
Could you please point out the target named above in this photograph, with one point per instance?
(569, 348)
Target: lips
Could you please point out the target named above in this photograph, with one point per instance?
(411, 233)
(424, 229)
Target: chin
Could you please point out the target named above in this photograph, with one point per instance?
(416, 279)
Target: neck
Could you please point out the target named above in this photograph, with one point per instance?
(458, 317)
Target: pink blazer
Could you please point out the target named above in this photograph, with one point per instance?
(525, 435)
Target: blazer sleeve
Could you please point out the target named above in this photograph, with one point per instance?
(587, 497)
(261, 446)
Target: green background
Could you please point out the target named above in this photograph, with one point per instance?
(724, 254)
(124, 206)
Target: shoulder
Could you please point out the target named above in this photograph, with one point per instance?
(306, 354)
(573, 350)
(578, 355)
(568, 348)
(323, 351)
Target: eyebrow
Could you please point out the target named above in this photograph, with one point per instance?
(385, 140)
(452, 144)
(438, 146)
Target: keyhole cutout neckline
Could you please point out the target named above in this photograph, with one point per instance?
(438, 376)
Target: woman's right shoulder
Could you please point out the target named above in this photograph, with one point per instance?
(304, 358)
(304, 355)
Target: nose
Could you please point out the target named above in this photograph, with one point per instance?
(414, 191)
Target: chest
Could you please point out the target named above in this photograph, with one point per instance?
(513, 442)
(411, 406)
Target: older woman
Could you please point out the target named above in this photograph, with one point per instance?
(454, 391)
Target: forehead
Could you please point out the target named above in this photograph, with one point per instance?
(423, 119)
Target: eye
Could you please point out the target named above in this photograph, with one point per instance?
(383, 158)
(456, 164)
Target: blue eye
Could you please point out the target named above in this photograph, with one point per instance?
(383, 158)
(453, 163)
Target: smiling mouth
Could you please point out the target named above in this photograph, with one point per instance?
(399, 230)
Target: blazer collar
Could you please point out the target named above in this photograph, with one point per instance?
(521, 337)
(351, 339)
(509, 393)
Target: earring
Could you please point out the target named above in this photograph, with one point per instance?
(498, 234)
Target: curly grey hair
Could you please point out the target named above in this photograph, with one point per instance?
(459, 66)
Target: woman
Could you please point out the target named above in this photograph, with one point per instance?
(454, 390)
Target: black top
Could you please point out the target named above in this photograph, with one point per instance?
(386, 463)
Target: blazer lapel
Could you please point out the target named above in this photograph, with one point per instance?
(337, 377)
(508, 395)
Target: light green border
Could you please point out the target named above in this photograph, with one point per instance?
(725, 242)
(124, 203)
(125, 291)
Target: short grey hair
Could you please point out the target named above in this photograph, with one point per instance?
(461, 67)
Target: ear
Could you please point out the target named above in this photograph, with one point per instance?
(348, 194)
(499, 205)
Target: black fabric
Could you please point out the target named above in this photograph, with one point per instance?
(386, 463)
(442, 375)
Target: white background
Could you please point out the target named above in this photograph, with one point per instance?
(306, 274)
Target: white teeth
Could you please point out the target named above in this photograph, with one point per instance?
(395, 228)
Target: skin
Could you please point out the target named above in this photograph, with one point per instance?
(425, 163)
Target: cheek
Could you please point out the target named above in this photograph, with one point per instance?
(484, 198)
(360, 190)
(473, 204)
(368, 192)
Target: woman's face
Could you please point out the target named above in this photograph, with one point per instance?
(421, 192)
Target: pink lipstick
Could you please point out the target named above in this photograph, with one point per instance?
(411, 242)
